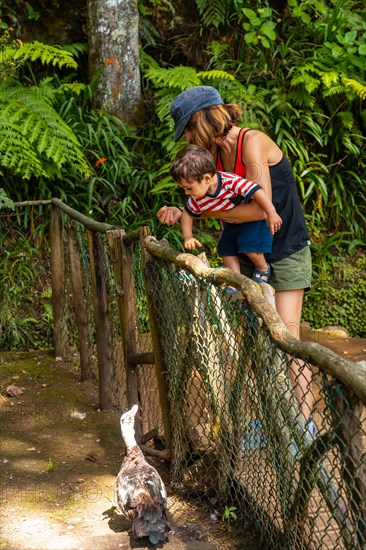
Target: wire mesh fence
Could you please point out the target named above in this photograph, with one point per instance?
(250, 429)
(239, 436)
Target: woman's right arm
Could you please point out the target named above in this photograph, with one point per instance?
(249, 212)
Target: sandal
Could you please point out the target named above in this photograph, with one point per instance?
(258, 274)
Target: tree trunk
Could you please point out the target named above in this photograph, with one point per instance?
(114, 49)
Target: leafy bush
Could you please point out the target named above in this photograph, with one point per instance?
(338, 295)
(26, 320)
(34, 139)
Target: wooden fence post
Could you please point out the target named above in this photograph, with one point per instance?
(104, 352)
(122, 260)
(57, 279)
(80, 309)
(161, 373)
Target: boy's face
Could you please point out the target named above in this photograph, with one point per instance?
(196, 188)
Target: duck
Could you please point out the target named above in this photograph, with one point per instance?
(140, 492)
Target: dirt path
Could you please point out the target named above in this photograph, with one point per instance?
(58, 469)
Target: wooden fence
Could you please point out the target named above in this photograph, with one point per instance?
(180, 369)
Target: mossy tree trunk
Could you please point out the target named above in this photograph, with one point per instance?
(114, 50)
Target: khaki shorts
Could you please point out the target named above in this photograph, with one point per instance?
(291, 273)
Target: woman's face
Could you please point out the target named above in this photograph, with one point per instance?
(188, 135)
(194, 137)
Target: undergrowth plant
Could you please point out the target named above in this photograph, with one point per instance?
(34, 139)
(26, 320)
(338, 294)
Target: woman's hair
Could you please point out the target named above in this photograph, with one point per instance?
(191, 164)
(212, 122)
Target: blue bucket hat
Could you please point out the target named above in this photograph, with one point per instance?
(190, 101)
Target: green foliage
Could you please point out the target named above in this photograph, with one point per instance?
(26, 311)
(48, 55)
(4, 199)
(260, 27)
(50, 465)
(338, 295)
(34, 139)
(300, 77)
(124, 170)
(8, 48)
(229, 514)
(215, 12)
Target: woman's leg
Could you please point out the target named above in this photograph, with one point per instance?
(289, 306)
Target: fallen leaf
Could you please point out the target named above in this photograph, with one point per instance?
(14, 391)
(92, 457)
(31, 449)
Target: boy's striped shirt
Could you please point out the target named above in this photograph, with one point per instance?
(231, 191)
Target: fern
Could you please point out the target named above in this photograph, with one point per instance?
(179, 77)
(34, 139)
(32, 133)
(330, 79)
(75, 88)
(76, 49)
(215, 74)
(219, 51)
(334, 90)
(310, 83)
(48, 55)
(214, 12)
(356, 87)
(16, 155)
(333, 82)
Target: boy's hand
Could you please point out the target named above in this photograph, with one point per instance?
(274, 222)
(190, 243)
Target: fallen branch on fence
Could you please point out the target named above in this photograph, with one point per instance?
(352, 375)
(87, 222)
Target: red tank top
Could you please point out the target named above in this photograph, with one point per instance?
(239, 168)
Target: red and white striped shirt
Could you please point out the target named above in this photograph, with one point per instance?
(231, 191)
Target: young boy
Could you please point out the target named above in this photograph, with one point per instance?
(194, 170)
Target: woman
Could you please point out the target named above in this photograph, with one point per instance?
(201, 115)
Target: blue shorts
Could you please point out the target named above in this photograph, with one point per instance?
(239, 238)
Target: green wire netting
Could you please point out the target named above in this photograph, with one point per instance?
(238, 436)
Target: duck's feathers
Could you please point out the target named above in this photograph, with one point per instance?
(142, 497)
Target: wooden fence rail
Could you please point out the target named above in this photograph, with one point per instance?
(111, 255)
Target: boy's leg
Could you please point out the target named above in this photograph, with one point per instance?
(232, 262)
(259, 262)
